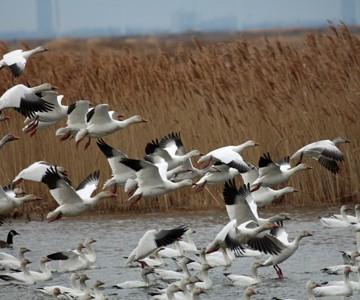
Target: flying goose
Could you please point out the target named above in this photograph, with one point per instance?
(325, 152)
(120, 172)
(26, 100)
(72, 202)
(271, 173)
(46, 119)
(36, 171)
(154, 239)
(99, 124)
(76, 119)
(151, 178)
(171, 149)
(16, 60)
(9, 240)
(288, 250)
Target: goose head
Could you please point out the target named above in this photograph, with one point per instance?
(305, 233)
(83, 278)
(340, 140)
(249, 292)
(99, 284)
(44, 260)
(9, 138)
(137, 119)
(24, 250)
(25, 262)
(91, 241)
(13, 233)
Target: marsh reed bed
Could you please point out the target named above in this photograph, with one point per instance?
(281, 94)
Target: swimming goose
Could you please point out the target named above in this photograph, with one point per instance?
(76, 119)
(248, 293)
(9, 240)
(46, 119)
(154, 239)
(271, 173)
(168, 293)
(72, 202)
(89, 251)
(170, 275)
(339, 269)
(26, 100)
(45, 272)
(264, 195)
(9, 199)
(244, 280)
(120, 173)
(349, 258)
(19, 278)
(59, 295)
(229, 155)
(16, 60)
(336, 290)
(7, 138)
(36, 171)
(99, 124)
(325, 152)
(171, 149)
(134, 284)
(338, 222)
(288, 250)
(152, 178)
(97, 293)
(355, 285)
(349, 218)
(8, 261)
(49, 290)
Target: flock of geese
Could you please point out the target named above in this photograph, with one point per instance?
(167, 166)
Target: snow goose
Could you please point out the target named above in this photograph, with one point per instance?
(16, 60)
(244, 280)
(187, 243)
(355, 285)
(206, 283)
(46, 119)
(76, 119)
(339, 269)
(45, 272)
(264, 195)
(134, 284)
(337, 222)
(72, 202)
(220, 258)
(49, 290)
(171, 149)
(168, 293)
(7, 139)
(152, 178)
(120, 173)
(9, 240)
(97, 293)
(59, 295)
(36, 172)
(170, 275)
(325, 152)
(8, 261)
(248, 293)
(154, 239)
(346, 217)
(9, 199)
(99, 124)
(89, 251)
(271, 173)
(289, 249)
(336, 290)
(19, 278)
(26, 100)
(228, 155)
(349, 258)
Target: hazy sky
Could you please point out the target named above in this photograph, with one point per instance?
(163, 15)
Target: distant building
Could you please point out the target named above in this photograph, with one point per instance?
(45, 18)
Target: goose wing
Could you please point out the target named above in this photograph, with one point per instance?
(281, 234)
(77, 111)
(34, 172)
(267, 166)
(231, 158)
(99, 115)
(173, 144)
(7, 191)
(88, 185)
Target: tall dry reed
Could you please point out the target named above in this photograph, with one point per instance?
(281, 94)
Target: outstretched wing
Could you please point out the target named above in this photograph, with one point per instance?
(88, 185)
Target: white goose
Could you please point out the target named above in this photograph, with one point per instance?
(335, 221)
(19, 278)
(336, 290)
(206, 283)
(325, 152)
(248, 293)
(26, 100)
(46, 119)
(134, 284)
(271, 173)
(100, 124)
(120, 172)
(355, 285)
(244, 280)
(8, 261)
(49, 290)
(10, 199)
(16, 60)
(171, 149)
(89, 251)
(152, 178)
(45, 272)
(72, 202)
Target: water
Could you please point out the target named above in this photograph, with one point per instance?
(117, 236)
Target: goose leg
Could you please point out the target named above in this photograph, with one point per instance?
(87, 143)
(300, 159)
(65, 136)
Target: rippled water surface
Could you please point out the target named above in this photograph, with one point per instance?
(117, 236)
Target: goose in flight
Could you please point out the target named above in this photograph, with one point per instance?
(72, 202)
(36, 171)
(151, 178)
(154, 239)
(9, 240)
(49, 118)
(171, 149)
(16, 60)
(326, 152)
(271, 173)
(120, 173)
(76, 119)
(99, 123)
(27, 100)
(11, 198)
